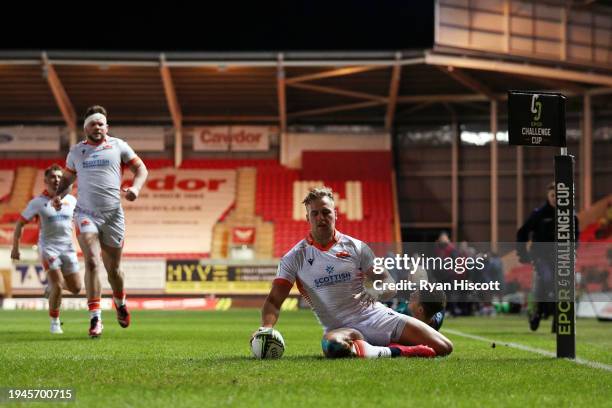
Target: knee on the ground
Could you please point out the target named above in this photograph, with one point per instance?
(443, 347)
(333, 348)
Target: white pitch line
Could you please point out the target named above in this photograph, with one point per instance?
(577, 360)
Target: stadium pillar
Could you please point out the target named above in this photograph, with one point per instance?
(456, 134)
(61, 97)
(284, 147)
(72, 137)
(563, 34)
(178, 147)
(494, 177)
(397, 225)
(281, 94)
(174, 107)
(396, 74)
(506, 26)
(520, 190)
(586, 148)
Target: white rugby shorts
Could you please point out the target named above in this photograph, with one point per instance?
(59, 257)
(109, 225)
(381, 325)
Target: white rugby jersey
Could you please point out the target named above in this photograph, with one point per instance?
(328, 278)
(98, 170)
(55, 226)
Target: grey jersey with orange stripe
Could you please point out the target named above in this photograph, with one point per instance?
(98, 170)
(329, 277)
(55, 226)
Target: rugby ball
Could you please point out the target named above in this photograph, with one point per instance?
(267, 343)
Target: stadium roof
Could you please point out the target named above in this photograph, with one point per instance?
(291, 88)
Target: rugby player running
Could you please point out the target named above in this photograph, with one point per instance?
(97, 163)
(55, 246)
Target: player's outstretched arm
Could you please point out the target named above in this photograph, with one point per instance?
(64, 188)
(65, 185)
(140, 177)
(273, 303)
(15, 254)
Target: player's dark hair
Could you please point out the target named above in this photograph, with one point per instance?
(432, 302)
(95, 109)
(551, 186)
(52, 168)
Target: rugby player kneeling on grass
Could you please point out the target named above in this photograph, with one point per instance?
(332, 271)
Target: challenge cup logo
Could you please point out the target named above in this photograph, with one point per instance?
(536, 107)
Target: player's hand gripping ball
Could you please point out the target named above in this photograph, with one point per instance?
(267, 343)
(368, 295)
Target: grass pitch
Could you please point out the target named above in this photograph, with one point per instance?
(202, 359)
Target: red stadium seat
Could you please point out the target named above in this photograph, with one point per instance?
(274, 190)
(274, 197)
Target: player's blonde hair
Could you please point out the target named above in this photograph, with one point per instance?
(318, 193)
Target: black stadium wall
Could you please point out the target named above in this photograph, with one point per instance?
(424, 185)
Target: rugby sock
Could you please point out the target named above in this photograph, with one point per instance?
(94, 308)
(119, 298)
(54, 315)
(420, 350)
(361, 348)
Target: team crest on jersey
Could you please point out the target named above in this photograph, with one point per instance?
(329, 269)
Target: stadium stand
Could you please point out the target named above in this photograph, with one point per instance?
(268, 201)
(268, 198)
(591, 260)
(7, 177)
(364, 197)
(243, 216)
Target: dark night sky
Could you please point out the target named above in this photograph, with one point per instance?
(257, 25)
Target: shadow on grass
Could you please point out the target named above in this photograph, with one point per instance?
(244, 358)
(26, 337)
(484, 362)
(483, 359)
(507, 333)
